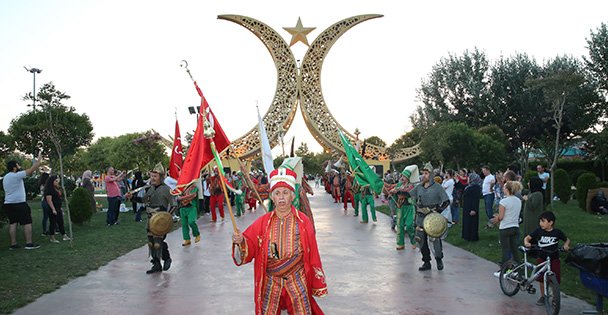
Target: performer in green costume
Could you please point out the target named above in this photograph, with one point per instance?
(239, 200)
(187, 211)
(367, 199)
(404, 206)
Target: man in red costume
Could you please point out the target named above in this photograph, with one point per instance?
(287, 267)
(348, 191)
(217, 195)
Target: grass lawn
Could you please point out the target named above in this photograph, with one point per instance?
(579, 226)
(28, 274)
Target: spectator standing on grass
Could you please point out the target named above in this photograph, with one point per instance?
(45, 208)
(470, 208)
(508, 218)
(53, 197)
(114, 196)
(15, 206)
(487, 189)
(88, 185)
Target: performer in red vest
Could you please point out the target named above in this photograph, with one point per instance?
(217, 195)
(348, 192)
(287, 267)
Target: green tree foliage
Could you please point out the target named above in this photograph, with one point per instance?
(31, 130)
(583, 184)
(562, 185)
(456, 145)
(7, 145)
(597, 61)
(81, 206)
(571, 105)
(375, 141)
(457, 90)
(597, 148)
(126, 152)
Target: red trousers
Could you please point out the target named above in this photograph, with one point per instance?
(336, 193)
(348, 195)
(251, 202)
(219, 201)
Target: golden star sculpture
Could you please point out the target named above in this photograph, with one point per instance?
(298, 33)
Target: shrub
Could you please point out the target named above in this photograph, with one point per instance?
(3, 217)
(603, 185)
(562, 185)
(574, 175)
(583, 184)
(80, 206)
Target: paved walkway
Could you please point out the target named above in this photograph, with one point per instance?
(365, 275)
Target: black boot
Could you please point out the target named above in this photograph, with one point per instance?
(155, 268)
(439, 264)
(425, 266)
(167, 264)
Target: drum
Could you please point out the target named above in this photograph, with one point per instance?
(161, 223)
(435, 224)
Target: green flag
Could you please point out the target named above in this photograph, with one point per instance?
(364, 175)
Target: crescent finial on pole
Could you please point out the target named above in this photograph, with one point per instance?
(184, 64)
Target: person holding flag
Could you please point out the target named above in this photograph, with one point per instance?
(288, 273)
(404, 206)
(365, 176)
(217, 197)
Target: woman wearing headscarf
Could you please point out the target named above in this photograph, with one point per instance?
(470, 208)
(88, 185)
(533, 206)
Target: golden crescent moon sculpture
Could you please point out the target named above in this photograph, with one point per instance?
(305, 88)
(284, 104)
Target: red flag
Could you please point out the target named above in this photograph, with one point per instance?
(199, 153)
(220, 139)
(177, 155)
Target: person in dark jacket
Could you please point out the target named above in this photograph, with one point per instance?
(470, 208)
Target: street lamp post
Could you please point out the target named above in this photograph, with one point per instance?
(33, 71)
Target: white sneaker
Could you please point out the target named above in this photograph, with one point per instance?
(54, 241)
(497, 274)
(66, 238)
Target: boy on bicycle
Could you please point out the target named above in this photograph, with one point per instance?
(547, 238)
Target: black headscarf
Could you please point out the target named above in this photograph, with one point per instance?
(536, 184)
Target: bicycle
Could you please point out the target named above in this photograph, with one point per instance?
(514, 277)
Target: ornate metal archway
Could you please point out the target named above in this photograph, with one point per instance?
(303, 86)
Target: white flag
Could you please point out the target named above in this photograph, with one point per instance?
(266, 153)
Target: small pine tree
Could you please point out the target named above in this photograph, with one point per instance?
(562, 185)
(80, 206)
(583, 184)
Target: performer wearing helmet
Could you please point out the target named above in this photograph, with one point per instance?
(287, 268)
(217, 196)
(429, 197)
(404, 207)
(239, 199)
(157, 199)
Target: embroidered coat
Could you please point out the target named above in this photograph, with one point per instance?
(256, 244)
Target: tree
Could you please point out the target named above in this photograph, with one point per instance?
(597, 148)
(456, 90)
(31, 131)
(127, 152)
(302, 150)
(571, 103)
(7, 144)
(597, 61)
(375, 141)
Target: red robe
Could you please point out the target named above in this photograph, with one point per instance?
(256, 247)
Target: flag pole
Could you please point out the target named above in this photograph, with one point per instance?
(221, 174)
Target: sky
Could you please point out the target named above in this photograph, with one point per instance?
(119, 60)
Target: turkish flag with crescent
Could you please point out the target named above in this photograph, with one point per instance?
(177, 155)
(199, 153)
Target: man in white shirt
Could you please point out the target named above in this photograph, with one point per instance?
(15, 205)
(544, 176)
(487, 190)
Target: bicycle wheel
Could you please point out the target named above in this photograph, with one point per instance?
(552, 295)
(509, 278)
